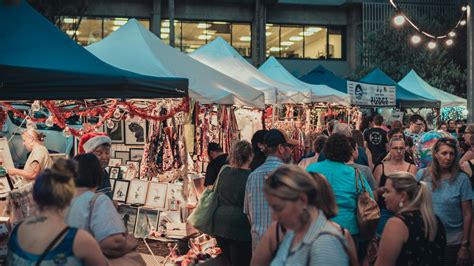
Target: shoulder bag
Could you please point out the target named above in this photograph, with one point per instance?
(202, 217)
(368, 212)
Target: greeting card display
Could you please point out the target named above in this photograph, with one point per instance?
(129, 216)
(123, 155)
(121, 190)
(133, 170)
(114, 172)
(146, 223)
(156, 196)
(115, 162)
(137, 192)
(174, 197)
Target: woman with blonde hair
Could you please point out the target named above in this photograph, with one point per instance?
(393, 162)
(45, 239)
(231, 226)
(38, 160)
(311, 238)
(414, 236)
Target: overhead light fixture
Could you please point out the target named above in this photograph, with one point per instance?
(274, 49)
(432, 45)
(268, 33)
(164, 35)
(203, 25)
(306, 33)
(165, 30)
(314, 29)
(69, 32)
(464, 8)
(415, 39)
(204, 37)
(463, 22)
(210, 32)
(114, 28)
(120, 22)
(165, 24)
(399, 19)
(452, 34)
(219, 23)
(287, 43)
(449, 42)
(296, 38)
(68, 20)
(245, 38)
(190, 50)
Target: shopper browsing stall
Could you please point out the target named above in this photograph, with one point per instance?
(218, 159)
(38, 160)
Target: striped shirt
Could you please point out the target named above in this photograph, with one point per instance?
(322, 244)
(255, 204)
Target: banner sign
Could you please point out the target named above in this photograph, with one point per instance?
(363, 94)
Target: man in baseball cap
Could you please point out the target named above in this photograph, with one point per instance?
(279, 151)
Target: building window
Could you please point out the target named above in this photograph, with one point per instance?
(312, 42)
(190, 35)
(88, 30)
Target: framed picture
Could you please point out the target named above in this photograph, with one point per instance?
(137, 192)
(116, 133)
(114, 172)
(167, 217)
(124, 155)
(120, 190)
(129, 216)
(135, 131)
(156, 196)
(136, 154)
(174, 197)
(112, 183)
(133, 170)
(147, 221)
(115, 162)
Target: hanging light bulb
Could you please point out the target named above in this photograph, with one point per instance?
(463, 22)
(110, 124)
(66, 132)
(399, 20)
(432, 45)
(449, 42)
(452, 34)
(50, 121)
(36, 106)
(464, 8)
(415, 39)
(117, 113)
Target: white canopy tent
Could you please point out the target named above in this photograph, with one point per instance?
(134, 48)
(319, 93)
(414, 83)
(219, 55)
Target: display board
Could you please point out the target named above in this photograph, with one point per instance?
(363, 94)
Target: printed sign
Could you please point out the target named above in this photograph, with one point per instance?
(371, 95)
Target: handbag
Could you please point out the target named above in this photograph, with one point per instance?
(368, 212)
(202, 216)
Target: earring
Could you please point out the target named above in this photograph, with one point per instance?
(400, 204)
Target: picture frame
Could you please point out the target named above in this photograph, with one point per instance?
(174, 197)
(116, 133)
(136, 154)
(137, 192)
(115, 162)
(133, 170)
(167, 217)
(129, 216)
(135, 131)
(112, 183)
(156, 195)
(120, 191)
(114, 172)
(124, 155)
(146, 222)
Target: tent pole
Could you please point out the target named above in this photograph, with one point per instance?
(470, 63)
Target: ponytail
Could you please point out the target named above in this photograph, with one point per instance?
(424, 203)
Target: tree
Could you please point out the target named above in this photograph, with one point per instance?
(390, 50)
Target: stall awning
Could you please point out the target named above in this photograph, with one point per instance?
(320, 75)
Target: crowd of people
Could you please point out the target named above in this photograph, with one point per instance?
(305, 213)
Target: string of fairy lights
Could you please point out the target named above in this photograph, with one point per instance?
(421, 36)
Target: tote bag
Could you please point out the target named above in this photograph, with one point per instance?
(368, 212)
(202, 216)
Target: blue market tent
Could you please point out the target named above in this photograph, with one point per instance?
(321, 75)
(38, 61)
(405, 98)
(416, 84)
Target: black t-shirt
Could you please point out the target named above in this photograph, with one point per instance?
(376, 139)
(213, 169)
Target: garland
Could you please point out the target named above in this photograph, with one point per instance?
(60, 115)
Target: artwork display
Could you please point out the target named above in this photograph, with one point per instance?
(121, 190)
(137, 192)
(115, 162)
(123, 155)
(133, 170)
(129, 216)
(174, 197)
(167, 217)
(146, 222)
(136, 154)
(156, 196)
(135, 131)
(114, 172)
(112, 183)
(116, 133)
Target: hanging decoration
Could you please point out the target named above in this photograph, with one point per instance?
(59, 115)
(432, 39)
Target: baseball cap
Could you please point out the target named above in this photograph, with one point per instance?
(275, 137)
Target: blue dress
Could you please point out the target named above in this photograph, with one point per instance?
(62, 254)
